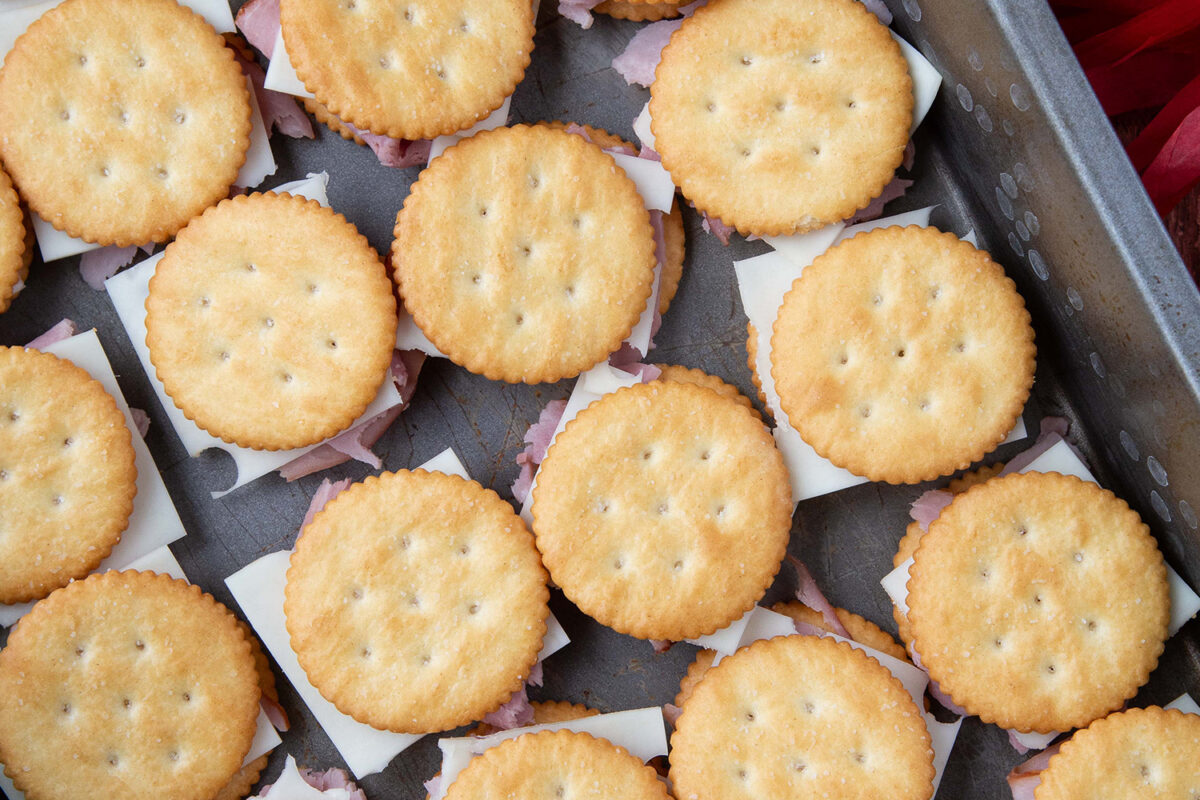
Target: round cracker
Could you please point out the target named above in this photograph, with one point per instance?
(643, 496)
(524, 254)
(409, 70)
(903, 354)
(118, 125)
(550, 765)
(787, 131)
(641, 10)
(861, 629)
(416, 601)
(1043, 584)
(15, 252)
(678, 374)
(126, 684)
(67, 474)
(1139, 754)
(800, 716)
(271, 321)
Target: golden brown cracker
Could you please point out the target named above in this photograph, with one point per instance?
(524, 254)
(903, 354)
(1043, 584)
(861, 629)
(241, 783)
(1139, 754)
(781, 116)
(126, 684)
(752, 362)
(67, 474)
(695, 673)
(673, 372)
(549, 765)
(416, 601)
(331, 121)
(641, 10)
(118, 128)
(642, 498)
(409, 70)
(271, 321)
(800, 716)
(15, 250)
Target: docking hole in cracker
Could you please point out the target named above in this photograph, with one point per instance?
(67, 474)
(119, 123)
(271, 321)
(409, 70)
(642, 500)
(524, 254)
(126, 684)
(781, 116)
(800, 716)
(903, 354)
(416, 601)
(1013, 586)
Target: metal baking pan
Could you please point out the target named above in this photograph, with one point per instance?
(1016, 147)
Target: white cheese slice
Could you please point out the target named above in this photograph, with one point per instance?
(260, 162)
(496, 119)
(641, 127)
(641, 731)
(154, 522)
(281, 76)
(652, 180)
(129, 290)
(589, 387)
(258, 589)
(1184, 703)
(291, 786)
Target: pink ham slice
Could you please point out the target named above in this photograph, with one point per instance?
(1024, 778)
(874, 210)
(275, 714)
(280, 111)
(258, 20)
(578, 11)
(809, 593)
(141, 420)
(639, 59)
(64, 329)
(325, 492)
(537, 442)
(516, 713)
(322, 781)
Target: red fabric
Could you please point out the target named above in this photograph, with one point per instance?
(1144, 149)
(1147, 80)
(1176, 169)
(1145, 54)
(1161, 23)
